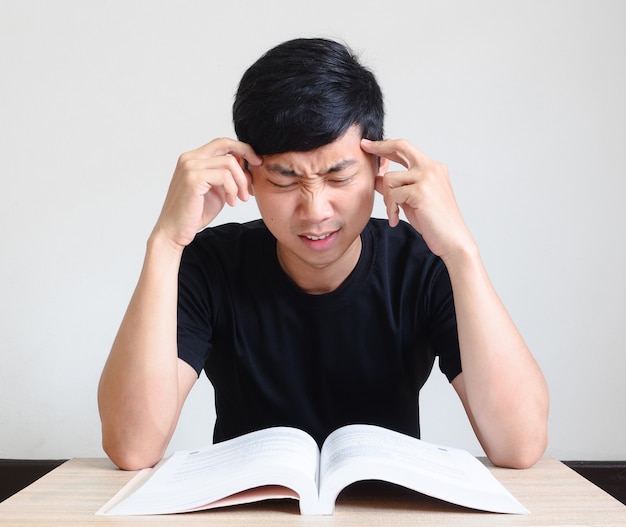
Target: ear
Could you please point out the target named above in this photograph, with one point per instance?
(248, 174)
(383, 166)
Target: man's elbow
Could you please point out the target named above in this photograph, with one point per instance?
(520, 456)
(130, 458)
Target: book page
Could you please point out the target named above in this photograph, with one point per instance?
(362, 452)
(194, 479)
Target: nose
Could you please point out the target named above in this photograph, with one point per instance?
(315, 204)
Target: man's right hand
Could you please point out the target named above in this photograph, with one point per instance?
(204, 180)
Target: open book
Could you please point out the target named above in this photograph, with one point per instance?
(286, 463)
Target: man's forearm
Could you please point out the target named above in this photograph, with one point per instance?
(138, 394)
(505, 392)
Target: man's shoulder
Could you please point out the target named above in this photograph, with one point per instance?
(401, 234)
(401, 248)
(234, 229)
(227, 242)
(231, 233)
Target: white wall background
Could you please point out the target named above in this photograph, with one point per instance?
(524, 100)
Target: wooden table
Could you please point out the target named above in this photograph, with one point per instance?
(555, 495)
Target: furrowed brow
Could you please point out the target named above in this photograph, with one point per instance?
(289, 172)
(282, 171)
(339, 167)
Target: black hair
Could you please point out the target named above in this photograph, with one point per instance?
(306, 93)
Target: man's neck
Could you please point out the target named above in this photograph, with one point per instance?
(320, 279)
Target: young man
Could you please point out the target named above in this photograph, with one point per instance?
(317, 315)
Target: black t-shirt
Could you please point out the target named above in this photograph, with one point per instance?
(279, 356)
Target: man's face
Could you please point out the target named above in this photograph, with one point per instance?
(316, 204)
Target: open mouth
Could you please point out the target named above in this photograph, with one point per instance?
(320, 242)
(316, 238)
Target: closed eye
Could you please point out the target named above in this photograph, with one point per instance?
(283, 186)
(335, 181)
(340, 180)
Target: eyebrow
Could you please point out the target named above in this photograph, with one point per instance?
(337, 167)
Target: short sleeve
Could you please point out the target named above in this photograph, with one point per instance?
(443, 324)
(194, 311)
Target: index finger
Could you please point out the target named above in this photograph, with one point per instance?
(397, 150)
(226, 146)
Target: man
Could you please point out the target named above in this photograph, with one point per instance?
(317, 315)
